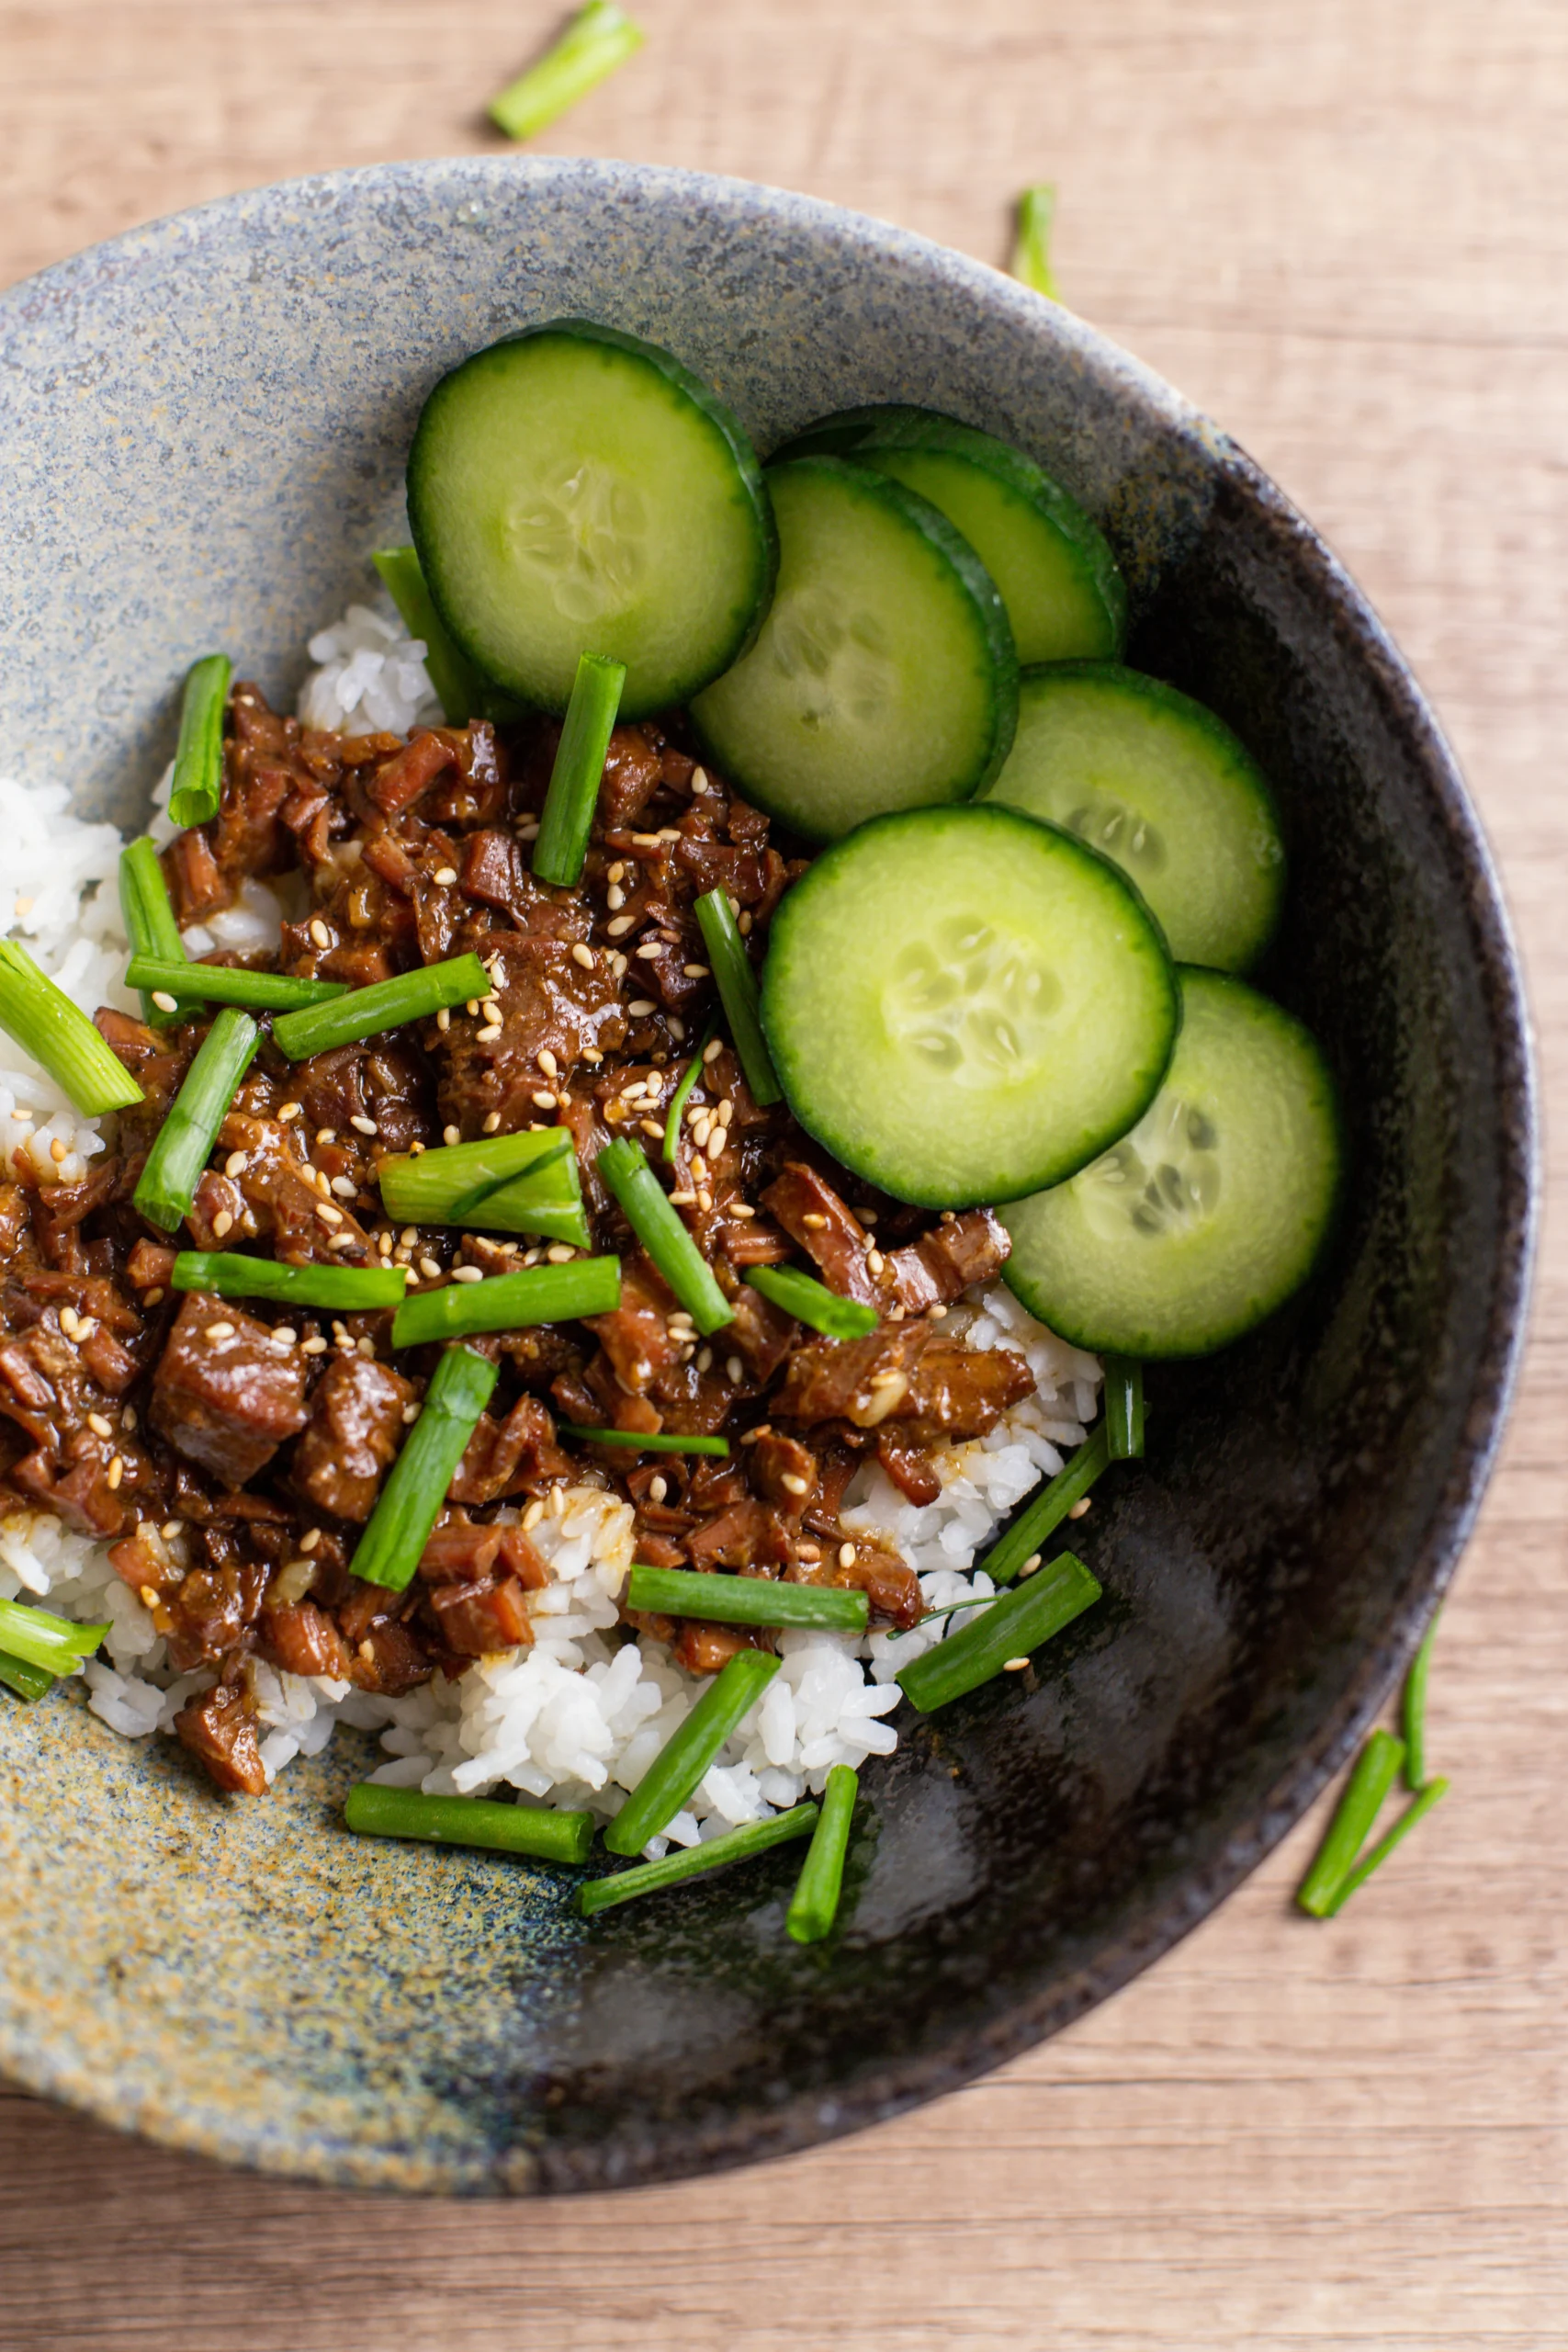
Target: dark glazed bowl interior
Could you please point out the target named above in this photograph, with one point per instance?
(201, 436)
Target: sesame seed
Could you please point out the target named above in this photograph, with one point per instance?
(650, 1128)
(467, 1274)
(795, 1484)
(21, 1112)
(548, 1062)
(69, 1322)
(668, 834)
(583, 955)
(645, 841)
(714, 1146)
(1079, 1509)
(530, 832)
(384, 1244)
(695, 971)
(410, 1415)
(704, 1199)
(701, 1129)
(735, 1371)
(558, 1502)
(472, 1006)
(650, 949)
(618, 967)
(874, 1262)
(492, 1122)
(99, 1427)
(1015, 1665)
(937, 1314)
(897, 1311)
(165, 1001)
(684, 1200)
(615, 897)
(314, 1346)
(152, 1297)
(489, 1033)
(366, 1127)
(492, 1009)
(320, 932)
(451, 1135)
(284, 1335)
(430, 1270)
(219, 1331)
(367, 1651)
(705, 1359)
(743, 1210)
(289, 1110)
(446, 875)
(223, 1223)
(408, 1237)
(814, 1220)
(367, 1346)
(308, 1541)
(640, 1007)
(559, 1253)
(544, 1099)
(699, 1167)
(532, 1515)
(127, 1420)
(725, 1112)
(846, 1556)
(700, 782)
(809, 1551)
(344, 1187)
(327, 1215)
(1031, 1563)
(621, 925)
(743, 923)
(236, 1163)
(443, 1019)
(657, 1487)
(148, 1596)
(713, 1050)
(57, 1151)
(24, 902)
(340, 1241)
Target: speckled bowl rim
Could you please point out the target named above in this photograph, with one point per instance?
(1303, 557)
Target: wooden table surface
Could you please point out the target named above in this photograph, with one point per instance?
(1342, 226)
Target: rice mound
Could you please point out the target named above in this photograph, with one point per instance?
(576, 1719)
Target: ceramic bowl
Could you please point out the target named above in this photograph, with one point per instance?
(202, 431)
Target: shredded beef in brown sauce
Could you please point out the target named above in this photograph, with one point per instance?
(232, 1454)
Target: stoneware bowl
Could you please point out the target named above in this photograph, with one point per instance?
(202, 431)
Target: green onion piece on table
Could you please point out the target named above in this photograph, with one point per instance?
(27, 1680)
(690, 1749)
(385, 1005)
(1413, 1711)
(812, 1302)
(1123, 1407)
(1031, 262)
(737, 985)
(623, 1168)
(148, 919)
(1376, 1770)
(682, 1095)
(180, 1149)
(58, 1645)
(347, 1290)
(815, 1904)
(229, 984)
(664, 1442)
(692, 1862)
(1426, 1797)
(1011, 1628)
(599, 38)
(510, 1301)
(372, 1810)
(574, 793)
(1045, 1513)
(409, 1502)
(745, 1600)
(464, 692)
(45, 1025)
(198, 757)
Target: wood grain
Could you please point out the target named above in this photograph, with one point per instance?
(1342, 225)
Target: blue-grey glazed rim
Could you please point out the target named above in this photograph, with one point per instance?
(837, 309)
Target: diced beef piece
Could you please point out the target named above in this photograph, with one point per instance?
(517, 1456)
(861, 1381)
(462, 1551)
(959, 1392)
(277, 1197)
(733, 1540)
(219, 1726)
(784, 1472)
(144, 1561)
(302, 1639)
(705, 1648)
(150, 1266)
(549, 1002)
(197, 887)
(612, 1406)
(383, 1080)
(908, 1466)
(892, 1589)
(157, 1059)
(942, 1265)
(635, 1336)
(473, 1618)
(214, 1607)
(633, 773)
(389, 1658)
(227, 1402)
(813, 1215)
(404, 778)
(762, 1333)
(355, 1433)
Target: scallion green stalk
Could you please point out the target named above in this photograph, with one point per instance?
(27, 1680)
(180, 1149)
(1414, 1713)
(1032, 250)
(451, 1185)
(148, 919)
(385, 1005)
(464, 692)
(737, 986)
(510, 1301)
(573, 792)
(45, 1025)
(347, 1290)
(230, 984)
(38, 1639)
(533, 1205)
(1123, 1407)
(1375, 1771)
(198, 757)
(599, 38)
(1045, 1513)
(623, 1168)
(816, 1902)
(409, 1502)
(745, 1600)
(682, 1095)
(663, 1442)
(1013, 1626)
(690, 1749)
(694, 1861)
(812, 1302)
(372, 1810)
(1425, 1798)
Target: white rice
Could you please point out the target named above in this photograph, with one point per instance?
(576, 1719)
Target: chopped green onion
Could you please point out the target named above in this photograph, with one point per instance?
(167, 1183)
(409, 1504)
(523, 1183)
(691, 1861)
(58, 1645)
(689, 1750)
(372, 1810)
(665, 1442)
(385, 1005)
(230, 984)
(678, 1100)
(623, 1168)
(737, 986)
(1425, 1798)
(1046, 1512)
(149, 918)
(812, 1302)
(1123, 1407)
(1032, 252)
(509, 1302)
(27, 1680)
(1030, 1614)
(1376, 1770)
(1414, 1713)
(46, 1025)
(524, 1206)
(599, 38)
(198, 757)
(745, 1600)
(463, 692)
(579, 767)
(351, 1290)
(815, 1904)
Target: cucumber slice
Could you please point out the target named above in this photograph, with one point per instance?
(884, 676)
(957, 998)
(1205, 1217)
(1058, 577)
(1153, 780)
(575, 489)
